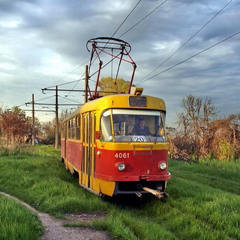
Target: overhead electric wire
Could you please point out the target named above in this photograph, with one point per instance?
(65, 83)
(67, 75)
(75, 85)
(43, 98)
(126, 18)
(35, 101)
(24, 104)
(77, 81)
(143, 18)
(113, 36)
(69, 99)
(131, 27)
(161, 64)
(179, 63)
(72, 71)
(117, 30)
(105, 65)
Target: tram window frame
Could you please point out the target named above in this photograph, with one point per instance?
(63, 130)
(71, 124)
(94, 124)
(69, 129)
(118, 131)
(87, 128)
(106, 126)
(78, 127)
(83, 128)
(73, 128)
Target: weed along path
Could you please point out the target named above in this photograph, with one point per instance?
(55, 228)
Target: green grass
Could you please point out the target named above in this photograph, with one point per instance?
(41, 180)
(16, 222)
(233, 165)
(204, 200)
(219, 178)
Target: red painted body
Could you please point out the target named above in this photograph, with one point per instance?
(73, 152)
(138, 167)
(63, 148)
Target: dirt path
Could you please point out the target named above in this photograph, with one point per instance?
(54, 229)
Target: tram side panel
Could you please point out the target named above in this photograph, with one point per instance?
(63, 141)
(71, 147)
(63, 148)
(74, 155)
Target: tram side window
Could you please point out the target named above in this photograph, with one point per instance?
(106, 127)
(69, 129)
(78, 128)
(73, 128)
(63, 130)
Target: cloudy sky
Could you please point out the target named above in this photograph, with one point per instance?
(43, 44)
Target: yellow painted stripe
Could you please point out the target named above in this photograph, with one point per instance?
(126, 146)
(73, 140)
(131, 145)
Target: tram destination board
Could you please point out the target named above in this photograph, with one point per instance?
(137, 101)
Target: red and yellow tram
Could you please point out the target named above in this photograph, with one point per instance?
(101, 142)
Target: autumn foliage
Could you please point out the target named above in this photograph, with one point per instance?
(109, 86)
(201, 135)
(14, 126)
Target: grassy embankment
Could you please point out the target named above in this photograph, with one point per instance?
(16, 222)
(204, 201)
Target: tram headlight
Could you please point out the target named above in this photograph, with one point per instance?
(121, 167)
(162, 165)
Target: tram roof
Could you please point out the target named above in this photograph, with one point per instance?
(118, 101)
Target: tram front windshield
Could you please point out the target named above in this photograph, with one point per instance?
(124, 125)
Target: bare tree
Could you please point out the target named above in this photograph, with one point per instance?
(194, 122)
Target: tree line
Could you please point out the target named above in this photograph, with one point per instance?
(16, 128)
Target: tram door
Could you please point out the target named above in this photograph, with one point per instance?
(93, 147)
(64, 137)
(65, 126)
(88, 163)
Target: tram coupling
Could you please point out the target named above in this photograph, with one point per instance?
(156, 193)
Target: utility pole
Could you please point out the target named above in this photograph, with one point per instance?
(57, 126)
(86, 85)
(56, 104)
(33, 121)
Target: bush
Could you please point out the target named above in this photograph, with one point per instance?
(16, 150)
(225, 151)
